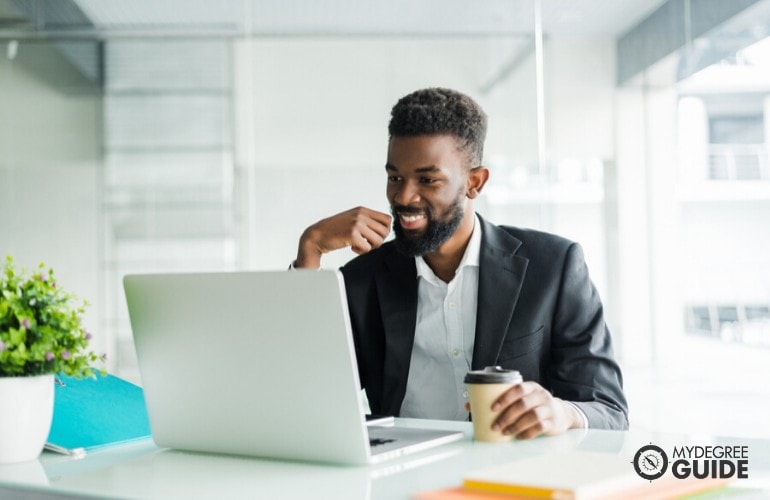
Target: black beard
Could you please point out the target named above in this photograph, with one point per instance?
(436, 232)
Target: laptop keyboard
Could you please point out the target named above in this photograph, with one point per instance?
(379, 441)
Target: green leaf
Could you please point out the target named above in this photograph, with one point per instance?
(53, 318)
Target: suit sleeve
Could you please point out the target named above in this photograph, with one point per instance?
(584, 370)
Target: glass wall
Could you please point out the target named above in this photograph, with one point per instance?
(168, 188)
(695, 267)
(212, 140)
(159, 138)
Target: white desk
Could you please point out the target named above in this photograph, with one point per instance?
(142, 470)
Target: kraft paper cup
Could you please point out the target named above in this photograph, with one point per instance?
(484, 387)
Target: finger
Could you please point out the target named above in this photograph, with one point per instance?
(375, 239)
(360, 245)
(537, 428)
(510, 415)
(380, 227)
(381, 217)
(510, 396)
(531, 423)
(367, 218)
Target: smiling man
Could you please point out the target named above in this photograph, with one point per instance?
(454, 292)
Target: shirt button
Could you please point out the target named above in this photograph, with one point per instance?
(456, 352)
(465, 394)
(452, 305)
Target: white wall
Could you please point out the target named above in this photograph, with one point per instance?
(49, 171)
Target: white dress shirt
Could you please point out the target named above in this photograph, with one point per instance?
(443, 338)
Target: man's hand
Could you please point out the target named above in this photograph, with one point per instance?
(528, 410)
(360, 228)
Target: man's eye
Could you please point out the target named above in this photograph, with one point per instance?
(427, 180)
(394, 178)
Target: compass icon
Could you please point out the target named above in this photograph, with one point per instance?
(650, 462)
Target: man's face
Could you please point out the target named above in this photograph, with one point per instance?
(427, 182)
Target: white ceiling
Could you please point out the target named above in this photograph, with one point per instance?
(584, 18)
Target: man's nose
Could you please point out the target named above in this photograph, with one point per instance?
(407, 194)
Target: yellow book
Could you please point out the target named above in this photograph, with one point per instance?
(579, 475)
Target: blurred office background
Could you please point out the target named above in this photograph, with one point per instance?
(173, 135)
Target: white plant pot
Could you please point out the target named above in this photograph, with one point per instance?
(26, 410)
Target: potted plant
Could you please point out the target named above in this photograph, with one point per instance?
(41, 334)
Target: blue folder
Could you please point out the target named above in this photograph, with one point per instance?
(93, 413)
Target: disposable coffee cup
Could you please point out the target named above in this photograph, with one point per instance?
(484, 387)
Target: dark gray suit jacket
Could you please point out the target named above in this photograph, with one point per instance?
(538, 313)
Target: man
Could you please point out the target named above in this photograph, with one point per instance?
(454, 292)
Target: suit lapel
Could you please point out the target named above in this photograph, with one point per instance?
(501, 274)
(397, 290)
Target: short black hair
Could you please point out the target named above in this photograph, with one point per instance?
(436, 111)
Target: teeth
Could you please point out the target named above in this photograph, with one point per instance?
(412, 218)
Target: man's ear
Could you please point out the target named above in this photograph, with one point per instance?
(477, 178)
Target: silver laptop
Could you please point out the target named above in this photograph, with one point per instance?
(257, 363)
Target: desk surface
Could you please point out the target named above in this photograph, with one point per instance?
(142, 470)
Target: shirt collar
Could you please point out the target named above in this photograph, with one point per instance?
(470, 257)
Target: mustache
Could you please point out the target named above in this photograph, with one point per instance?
(401, 209)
